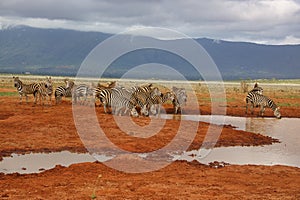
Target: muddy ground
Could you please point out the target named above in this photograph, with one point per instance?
(27, 128)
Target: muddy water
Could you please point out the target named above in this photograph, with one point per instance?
(287, 152)
(37, 162)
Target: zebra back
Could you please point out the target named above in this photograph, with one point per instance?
(258, 90)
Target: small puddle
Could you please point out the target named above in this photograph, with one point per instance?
(284, 153)
(37, 162)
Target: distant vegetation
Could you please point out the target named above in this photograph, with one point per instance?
(60, 52)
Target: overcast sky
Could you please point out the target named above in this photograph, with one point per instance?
(261, 21)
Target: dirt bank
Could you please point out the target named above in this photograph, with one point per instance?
(26, 128)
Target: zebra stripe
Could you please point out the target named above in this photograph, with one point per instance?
(113, 98)
(25, 89)
(256, 99)
(145, 88)
(95, 91)
(60, 92)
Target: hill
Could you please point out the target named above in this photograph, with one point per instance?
(60, 52)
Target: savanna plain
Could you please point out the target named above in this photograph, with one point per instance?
(27, 128)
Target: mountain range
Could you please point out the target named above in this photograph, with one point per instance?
(61, 52)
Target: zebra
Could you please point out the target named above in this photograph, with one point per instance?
(25, 89)
(45, 89)
(62, 91)
(77, 91)
(112, 97)
(157, 101)
(256, 99)
(180, 99)
(142, 97)
(95, 91)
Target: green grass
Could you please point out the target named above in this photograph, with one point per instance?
(292, 96)
(288, 104)
(218, 99)
(3, 94)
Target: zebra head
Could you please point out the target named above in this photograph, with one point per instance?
(155, 92)
(144, 110)
(16, 82)
(134, 112)
(69, 84)
(169, 96)
(277, 113)
(258, 90)
(48, 84)
(153, 109)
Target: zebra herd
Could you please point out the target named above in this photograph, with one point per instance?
(145, 98)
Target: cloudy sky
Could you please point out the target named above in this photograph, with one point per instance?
(261, 21)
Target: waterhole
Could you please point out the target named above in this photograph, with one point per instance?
(284, 153)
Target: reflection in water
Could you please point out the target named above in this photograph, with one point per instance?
(285, 153)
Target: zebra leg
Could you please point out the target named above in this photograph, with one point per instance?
(20, 98)
(158, 109)
(246, 108)
(104, 107)
(252, 108)
(26, 98)
(117, 111)
(50, 100)
(57, 99)
(262, 110)
(35, 97)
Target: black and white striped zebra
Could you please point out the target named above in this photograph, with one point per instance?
(25, 89)
(45, 90)
(157, 101)
(113, 98)
(95, 91)
(180, 99)
(77, 91)
(255, 99)
(62, 91)
(142, 97)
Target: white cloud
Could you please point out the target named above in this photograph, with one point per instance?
(266, 21)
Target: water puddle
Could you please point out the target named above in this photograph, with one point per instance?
(284, 153)
(37, 162)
